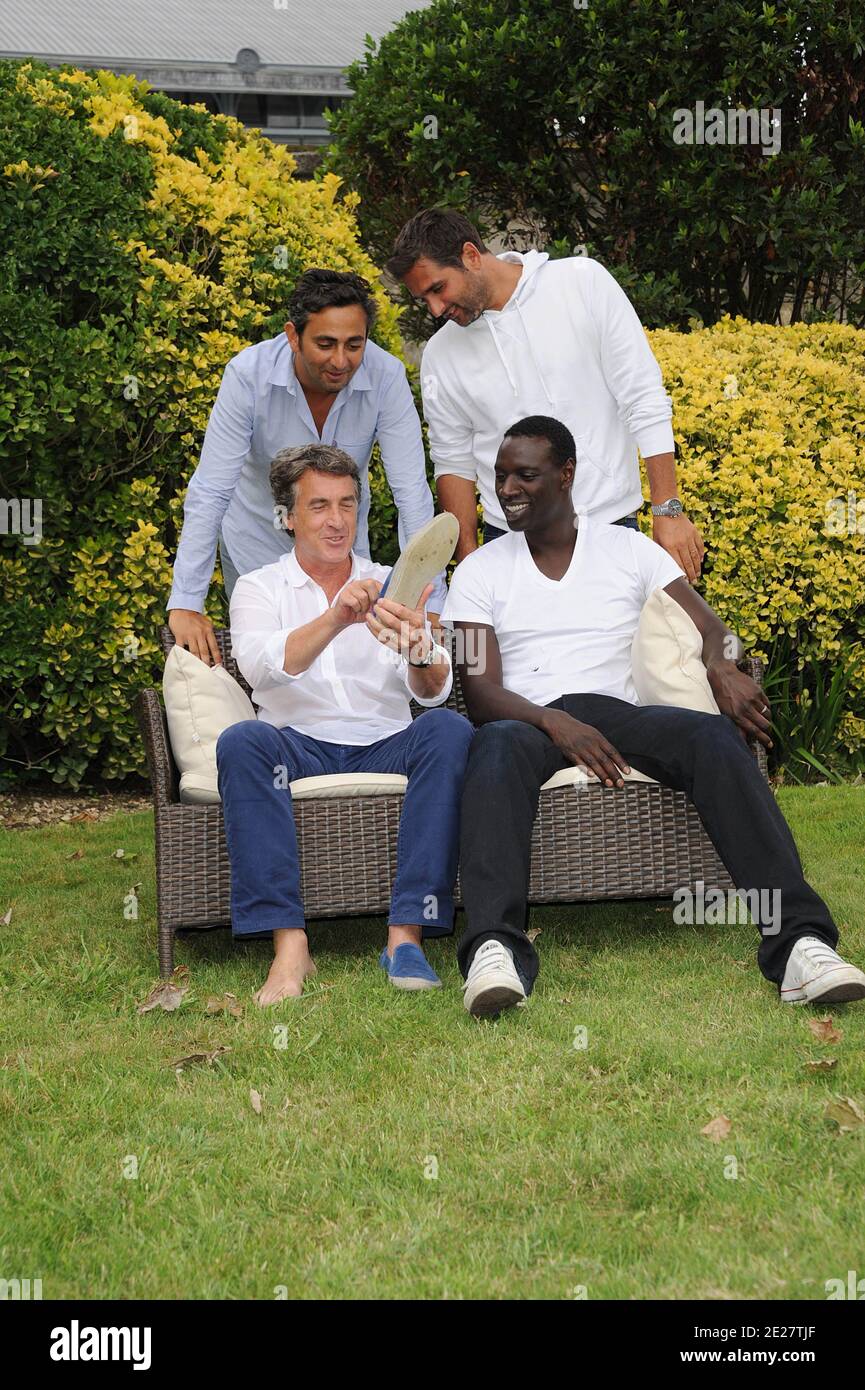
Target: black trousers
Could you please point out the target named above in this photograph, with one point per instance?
(702, 755)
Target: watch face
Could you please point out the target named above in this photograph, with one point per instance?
(676, 507)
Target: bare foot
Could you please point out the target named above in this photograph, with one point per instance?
(292, 965)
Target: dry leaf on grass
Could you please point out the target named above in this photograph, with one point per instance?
(717, 1129)
(255, 1101)
(822, 1064)
(83, 815)
(824, 1030)
(199, 1059)
(122, 854)
(224, 1004)
(846, 1113)
(168, 994)
(6, 918)
(76, 854)
(534, 933)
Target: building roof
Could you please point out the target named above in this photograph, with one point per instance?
(290, 33)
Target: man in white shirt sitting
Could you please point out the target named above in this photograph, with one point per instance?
(551, 608)
(332, 672)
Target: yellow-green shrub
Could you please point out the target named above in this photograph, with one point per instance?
(142, 244)
(770, 432)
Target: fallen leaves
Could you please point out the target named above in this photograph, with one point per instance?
(717, 1129)
(122, 854)
(821, 1064)
(6, 918)
(846, 1113)
(168, 994)
(824, 1030)
(224, 1004)
(199, 1059)
(76, 854)
(255, 1101)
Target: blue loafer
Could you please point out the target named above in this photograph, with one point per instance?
(409, 968)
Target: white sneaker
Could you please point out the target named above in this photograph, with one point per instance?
(816, 974)
(492, 983)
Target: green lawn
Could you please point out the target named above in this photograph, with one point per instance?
(557, 1167)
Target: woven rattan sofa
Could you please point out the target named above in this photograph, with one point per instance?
(640, 841)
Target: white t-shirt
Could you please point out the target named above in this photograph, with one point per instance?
(569, 636)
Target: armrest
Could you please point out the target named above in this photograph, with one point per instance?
(160, 761)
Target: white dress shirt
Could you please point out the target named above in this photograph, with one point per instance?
(356, 691)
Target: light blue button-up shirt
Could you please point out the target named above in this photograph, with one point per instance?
(259, 410)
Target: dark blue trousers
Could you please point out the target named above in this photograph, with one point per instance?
(256, 761)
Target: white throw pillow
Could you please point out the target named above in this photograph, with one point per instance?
(200, 701)
(666, 657)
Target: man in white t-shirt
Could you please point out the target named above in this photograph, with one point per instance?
(332, 667)
(545, 616)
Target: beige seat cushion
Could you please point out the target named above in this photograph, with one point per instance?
(202, 791)
(666, 657)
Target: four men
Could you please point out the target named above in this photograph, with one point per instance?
(548, 610)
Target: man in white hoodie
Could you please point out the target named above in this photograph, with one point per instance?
(525, 335)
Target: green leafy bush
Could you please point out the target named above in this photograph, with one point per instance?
(558, 120)
(142, 244)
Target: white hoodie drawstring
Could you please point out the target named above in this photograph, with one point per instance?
(503, 359)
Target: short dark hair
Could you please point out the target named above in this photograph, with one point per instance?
(557, 435)
(435, 233)
(289, 466)
(329, 289)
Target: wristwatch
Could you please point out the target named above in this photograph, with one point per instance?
(428, 659)
(672, 507)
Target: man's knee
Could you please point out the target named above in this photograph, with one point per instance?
(446, 729)
(715, 732)
(239, 741)
(498, 743)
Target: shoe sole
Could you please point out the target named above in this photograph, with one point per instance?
(412, 982)
(494, 999)
(839, 992)
(424, 557)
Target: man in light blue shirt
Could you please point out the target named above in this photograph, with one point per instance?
(321, 381)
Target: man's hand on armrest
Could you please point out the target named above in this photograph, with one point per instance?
(195, 632)
(736, 694)
(487, 699)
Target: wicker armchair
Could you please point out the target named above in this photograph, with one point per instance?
(642, 841)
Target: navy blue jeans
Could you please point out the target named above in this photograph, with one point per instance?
(492, 533)
(255, 762)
